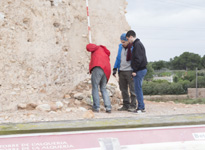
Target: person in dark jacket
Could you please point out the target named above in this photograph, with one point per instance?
(123, 66)
(100, 69)
(138, 64)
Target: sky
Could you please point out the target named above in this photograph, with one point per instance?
(168, 28)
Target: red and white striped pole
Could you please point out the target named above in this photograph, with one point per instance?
(89, 29)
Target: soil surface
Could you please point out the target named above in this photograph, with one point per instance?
(152, 109)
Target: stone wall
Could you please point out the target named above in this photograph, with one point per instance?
(42, 45)
(192, 92)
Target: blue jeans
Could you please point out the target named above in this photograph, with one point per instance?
(98, 78)
(138, 79)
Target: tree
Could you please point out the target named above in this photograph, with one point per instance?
(157, 65)
(175, 63)
(186, 61)
(203, 61)
(194, 61)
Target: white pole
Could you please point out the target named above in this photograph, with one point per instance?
(89, 29)
(196, 84)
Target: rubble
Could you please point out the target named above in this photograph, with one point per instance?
(44, 107)
(80, 101)
(88, 115)
(79, 96)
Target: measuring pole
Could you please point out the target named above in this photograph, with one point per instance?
(89, 29)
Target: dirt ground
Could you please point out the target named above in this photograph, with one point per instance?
(152, 109)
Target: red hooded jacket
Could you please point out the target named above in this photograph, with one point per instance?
(99, 58)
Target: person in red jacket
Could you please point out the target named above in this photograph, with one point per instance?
(100, 69)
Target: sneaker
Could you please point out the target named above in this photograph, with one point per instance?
(123, 108)
(108, 111)
(139, 111)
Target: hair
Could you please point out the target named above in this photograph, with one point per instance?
(131, 33)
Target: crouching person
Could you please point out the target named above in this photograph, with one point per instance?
(100, 70)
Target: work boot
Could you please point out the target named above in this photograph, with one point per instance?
(132, 109)
(108, 111)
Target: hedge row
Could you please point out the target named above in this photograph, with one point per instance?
(162, 87)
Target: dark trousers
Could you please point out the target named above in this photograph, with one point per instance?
(125, 81)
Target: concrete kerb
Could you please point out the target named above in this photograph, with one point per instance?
(96, 124)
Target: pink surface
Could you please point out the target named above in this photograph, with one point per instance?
(80, 140)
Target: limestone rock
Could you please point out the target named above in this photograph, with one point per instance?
(44, 107)
(67, 96)
(72, 109)
(31, 106)
(68, 110)
(52, 112)
(88, 114)
(59, 105)
(53, 107)
(78, 96)
(77, 102)
(82, 109)
(55, 2)
(2, 16)
(21, 106)
(66, 102)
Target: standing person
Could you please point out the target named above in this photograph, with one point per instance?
(100, 69)
(138, 63)
(123, 64)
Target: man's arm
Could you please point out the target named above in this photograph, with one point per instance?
(137, 57)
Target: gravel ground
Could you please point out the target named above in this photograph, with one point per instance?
(152, 109)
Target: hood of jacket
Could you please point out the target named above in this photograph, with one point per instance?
(93, 47)
(105, 50)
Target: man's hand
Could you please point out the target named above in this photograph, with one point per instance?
(134, 74)
(114, 72)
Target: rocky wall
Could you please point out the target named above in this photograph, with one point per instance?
(42, 46)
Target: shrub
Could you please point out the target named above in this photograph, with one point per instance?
(185, 84)
(190, 75)
(148, 88)
(176, 79)
(176, 88)
(200, 82)
(162, 88)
